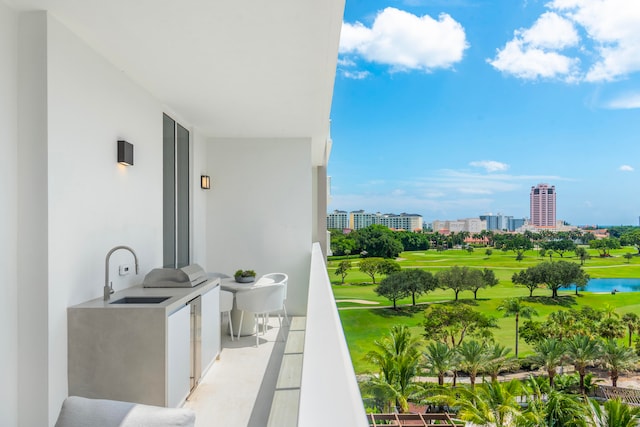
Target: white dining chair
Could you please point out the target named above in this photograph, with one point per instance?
(226, 305)
(261, 301)
(284, 279)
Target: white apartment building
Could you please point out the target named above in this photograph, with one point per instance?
(250, 83)
(471, 225)
(338, 220)
(361, 219)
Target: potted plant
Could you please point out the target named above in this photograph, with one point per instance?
(245, 276)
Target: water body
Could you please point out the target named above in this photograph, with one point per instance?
(608, 285)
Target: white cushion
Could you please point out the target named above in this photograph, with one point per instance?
(82, 412)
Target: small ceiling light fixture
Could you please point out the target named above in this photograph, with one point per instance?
(205, 182)
(125, 153)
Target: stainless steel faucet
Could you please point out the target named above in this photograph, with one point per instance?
(108, 286)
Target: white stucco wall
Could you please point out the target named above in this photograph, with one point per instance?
(8, 217)
(260, 210)
(95, 203)
(83, 203)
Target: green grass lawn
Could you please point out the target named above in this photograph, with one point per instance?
(363, 324)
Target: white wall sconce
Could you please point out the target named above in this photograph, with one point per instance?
(205, 182)
(125, 153)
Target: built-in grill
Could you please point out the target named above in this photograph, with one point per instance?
(185, 277)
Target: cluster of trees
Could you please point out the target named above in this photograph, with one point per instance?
(558, 400)
(588, 321)
(553, 275)
(380, 241)
(415, 282)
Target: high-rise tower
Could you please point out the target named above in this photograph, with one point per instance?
(543, 205)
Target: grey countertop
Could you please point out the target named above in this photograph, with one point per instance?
(178, 297)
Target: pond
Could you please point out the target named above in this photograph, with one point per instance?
(608, 285)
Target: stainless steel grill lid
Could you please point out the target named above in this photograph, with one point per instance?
(186, 277)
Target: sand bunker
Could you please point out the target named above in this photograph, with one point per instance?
(358, 301)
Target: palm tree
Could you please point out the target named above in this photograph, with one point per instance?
(473, 356)
(440, 359)
(614, 413)
(633, 323)
(549, 354)
(616, 358)
(498, 360)
(514, 307)
(491, 404)
(397, 358)
(582, 351)
(564, 410)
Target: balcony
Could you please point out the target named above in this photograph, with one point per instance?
(305, 380)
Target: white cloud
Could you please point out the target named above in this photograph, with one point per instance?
(532, 53)
(490, 165)
(626, 168)
(625, 102)
(550, 31)
(356, 75)
(610, 50)
(405, 41)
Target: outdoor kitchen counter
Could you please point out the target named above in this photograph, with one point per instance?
(178, 297)
(143, 353)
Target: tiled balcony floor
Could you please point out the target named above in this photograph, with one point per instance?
(239, 388)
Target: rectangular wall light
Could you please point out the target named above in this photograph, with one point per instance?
(205, 182)
(125, 153)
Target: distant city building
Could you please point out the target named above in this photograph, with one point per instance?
(356, 220)
(514, 223)
(338, 220)
(497, 222)
(543, 205)
(471, 225)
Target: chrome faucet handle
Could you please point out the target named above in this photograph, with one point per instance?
(111, 288)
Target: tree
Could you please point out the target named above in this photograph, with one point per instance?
(488, 252)
(440, 359)
(498, 360)
(371, 267)
(582, 351)
(458, 279)
(388, 266)
(473, 357)
(393, 288)
(605, 245)
(631, 238)
(342, 244)
(417, 282)
(582, 253)
(549, 354)
(562, 409)
(379, 241)
(343, 269)
(528, 278)
(561, 274)
(514, 307)
(560, 246)
(451, 323)
(396, 357)
(611, 328)
(615, 358)
(614, 413)
(493, 404)
(632, 321)
(485, 279)
(628, 257)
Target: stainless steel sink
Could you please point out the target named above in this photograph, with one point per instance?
(140, 300)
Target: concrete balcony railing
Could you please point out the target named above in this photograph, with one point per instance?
(329, 393)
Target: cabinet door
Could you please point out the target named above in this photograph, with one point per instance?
(210, 327)
(178, 360)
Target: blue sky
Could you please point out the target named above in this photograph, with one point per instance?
(455, 108)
